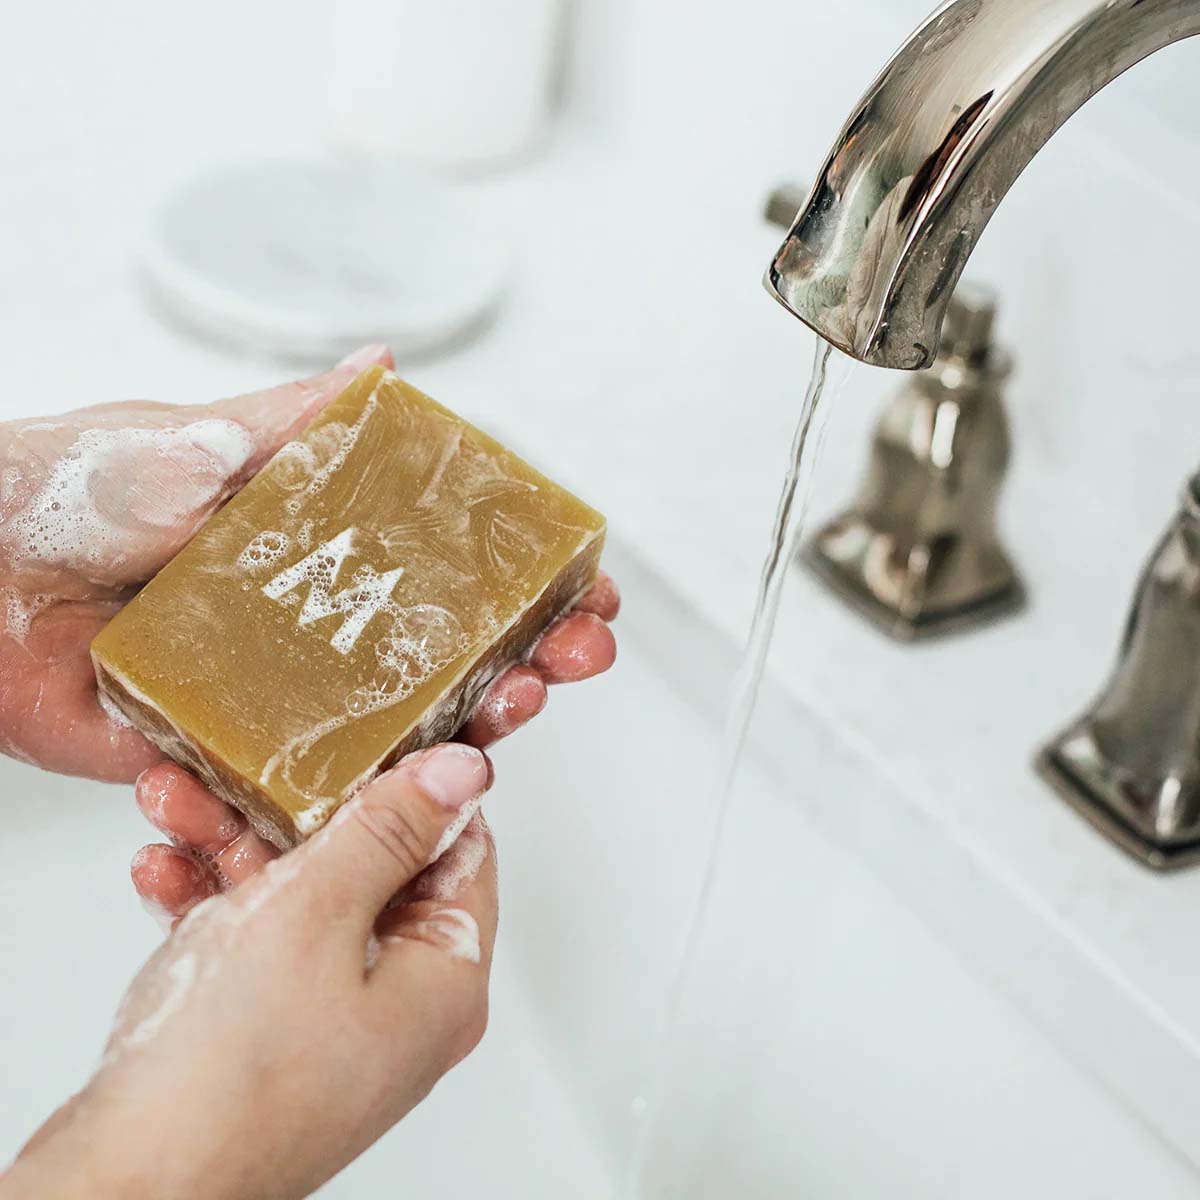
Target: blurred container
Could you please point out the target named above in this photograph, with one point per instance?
(449, 83)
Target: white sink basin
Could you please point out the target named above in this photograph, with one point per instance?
(829, 1045)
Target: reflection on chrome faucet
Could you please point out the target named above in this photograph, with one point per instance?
(919, 552)
(930, 151)
(871, 262)
(1131, 763)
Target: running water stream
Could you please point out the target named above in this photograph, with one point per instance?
(785, 539)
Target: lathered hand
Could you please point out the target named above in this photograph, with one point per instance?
(285, 1026)
(94, 503)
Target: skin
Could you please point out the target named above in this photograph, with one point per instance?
(356, 932)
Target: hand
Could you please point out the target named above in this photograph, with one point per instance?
(94, 503)
(214, 847)
(284, 1027)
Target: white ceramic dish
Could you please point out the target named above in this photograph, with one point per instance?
(310, 260)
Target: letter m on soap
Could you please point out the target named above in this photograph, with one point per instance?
(349, 605)
(365, 598)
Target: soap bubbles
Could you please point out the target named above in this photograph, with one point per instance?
(263, 550)
(435, 631)
(422, 640)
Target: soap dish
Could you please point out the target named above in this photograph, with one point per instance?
(310, 260)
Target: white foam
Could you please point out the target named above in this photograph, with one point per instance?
(111, 711)
(264, 550)
(180, 973)
(20, 610)
(64, 526)
(422, 640)
(159, 914)
(457, 868)
(324, 453)
(10, 478)
(450, 929)
(373, 950)
(454, 830)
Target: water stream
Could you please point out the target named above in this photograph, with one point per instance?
(785, 539)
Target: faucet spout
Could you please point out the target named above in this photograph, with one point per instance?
(872, 258)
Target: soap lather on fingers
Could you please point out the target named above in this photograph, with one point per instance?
(212, 845)
(348, 605)
(372, 573)
(284, 1027)
(92, 504)
(364, 635)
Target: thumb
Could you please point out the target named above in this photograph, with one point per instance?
(108, 495)
(277, 415)
(395, 827)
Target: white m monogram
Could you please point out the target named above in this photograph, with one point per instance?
(367, 594)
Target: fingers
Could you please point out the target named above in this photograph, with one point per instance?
(52, 716)
(106, 496)
(277, 415)
(389, 832)
(176, 803)
(573, 649)
(577, 647)
(169, 881)
(603, 598)
(435, 947)
(172, 490)
(449, 878)
(516, 697)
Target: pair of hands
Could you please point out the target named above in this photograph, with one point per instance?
(311, 1000)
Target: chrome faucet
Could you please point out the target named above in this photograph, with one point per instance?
(872, 257)
(871, 262)
(918, 551)
(1131, 763)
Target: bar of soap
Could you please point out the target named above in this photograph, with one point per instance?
(349, 605)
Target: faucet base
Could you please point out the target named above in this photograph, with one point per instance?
(908, 610)
(1094, 791)
(1131, 762)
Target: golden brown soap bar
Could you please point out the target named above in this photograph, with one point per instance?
(348, 606)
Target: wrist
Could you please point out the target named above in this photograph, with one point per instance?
(92, 1151)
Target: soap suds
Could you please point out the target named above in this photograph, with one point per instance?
(278, 874)
(10, 479)
(111, 480)
(20, 610)
(111, 711)
(454, 830)
(264, 550)
(455, 870)
(314, 462)
(179, 975)
(450, 929)
(421, 641)
(372, 955)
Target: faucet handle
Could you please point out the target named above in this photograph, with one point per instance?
(784, 203)
(1131, 762)
(967, 330)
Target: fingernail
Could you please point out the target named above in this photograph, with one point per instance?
(451, 775)
(365, 356)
